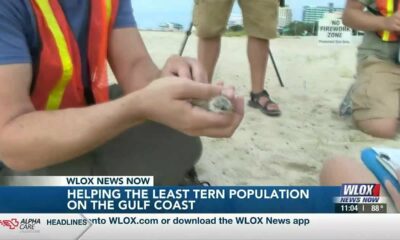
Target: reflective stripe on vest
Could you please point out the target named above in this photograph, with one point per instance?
(387, 8)
(58, 82)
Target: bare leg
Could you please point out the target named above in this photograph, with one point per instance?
(343, 170)
(382, 128)
(208, 53)
(257, 50)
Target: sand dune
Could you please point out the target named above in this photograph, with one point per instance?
(289, 150)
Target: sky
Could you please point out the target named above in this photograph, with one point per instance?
(151, 13)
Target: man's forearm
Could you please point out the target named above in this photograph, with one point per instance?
(140, 74)
(363, 21)
(40, 139)
(130, 60)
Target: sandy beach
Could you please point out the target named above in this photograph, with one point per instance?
(280, 151)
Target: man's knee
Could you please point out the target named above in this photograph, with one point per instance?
(177, 144)
(209, 43)
(382, 128)
(337, 171)
(210, 33)
(194, 149)
(150, 149)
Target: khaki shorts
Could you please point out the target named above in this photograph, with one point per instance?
(376, 93)
(260, 17)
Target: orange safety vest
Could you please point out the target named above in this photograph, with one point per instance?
(58, 79)
(387, 8)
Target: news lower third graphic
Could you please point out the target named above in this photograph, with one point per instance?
(360, 198)
(103, 207)
(127, 195)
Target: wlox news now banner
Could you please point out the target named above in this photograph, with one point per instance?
(132, 208)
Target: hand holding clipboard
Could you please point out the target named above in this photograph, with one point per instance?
(385, 164)
(394, 193)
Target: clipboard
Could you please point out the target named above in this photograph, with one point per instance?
(375, 161)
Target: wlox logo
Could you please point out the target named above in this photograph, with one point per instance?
(359, 193)
(361, 190)
(12, 223)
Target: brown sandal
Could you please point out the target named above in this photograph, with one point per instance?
(254, 102)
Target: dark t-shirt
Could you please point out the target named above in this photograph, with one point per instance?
(20, 39)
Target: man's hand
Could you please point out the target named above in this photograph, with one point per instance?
(167, 101)
(394, 193)
(392, 23)
(184, 67)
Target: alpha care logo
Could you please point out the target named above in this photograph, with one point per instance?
(11, 224)
(29, 225)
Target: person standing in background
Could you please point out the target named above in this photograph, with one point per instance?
(260, 21)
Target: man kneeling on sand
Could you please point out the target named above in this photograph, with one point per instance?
(59, 117)
(376, 93)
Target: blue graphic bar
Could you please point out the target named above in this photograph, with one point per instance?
(168, 199)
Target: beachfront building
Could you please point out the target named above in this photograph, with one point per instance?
(312, 14)
(285, 16)
(333, 15)
(171, 27)
(235, 20)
